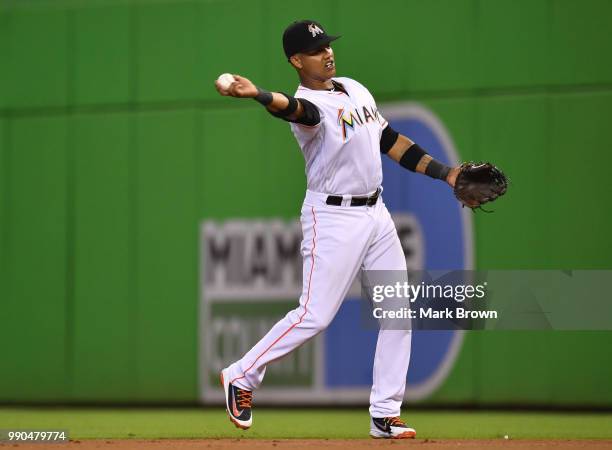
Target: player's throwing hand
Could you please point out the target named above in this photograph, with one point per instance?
(242, 88)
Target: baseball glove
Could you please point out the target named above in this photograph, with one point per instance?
(479, 183)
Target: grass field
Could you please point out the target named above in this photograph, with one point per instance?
(153, 423)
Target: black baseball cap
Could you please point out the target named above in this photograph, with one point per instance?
(303, 36)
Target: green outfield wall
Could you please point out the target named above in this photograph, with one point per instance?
(114, 147)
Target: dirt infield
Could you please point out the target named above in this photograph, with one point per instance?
(308, 444)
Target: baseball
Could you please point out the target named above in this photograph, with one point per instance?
(225, 80)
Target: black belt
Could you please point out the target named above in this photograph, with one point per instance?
(336, 200)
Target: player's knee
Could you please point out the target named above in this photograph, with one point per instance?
(319, 322)
(309, 320)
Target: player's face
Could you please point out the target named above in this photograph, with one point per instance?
(319, 63)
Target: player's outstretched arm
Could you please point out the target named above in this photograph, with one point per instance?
(412, 157)
(277, 103)
(474, 184)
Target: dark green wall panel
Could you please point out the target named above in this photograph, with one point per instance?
(580, 124)
(102, 54)
(4, 40)
(581, 42)
(275, 172)
(513, 42)
(508, 359)
(230, 171)
(272, 177)
(459, 118)
(38, 53)
(579, 371)
(365, 54)
(232, 43)
(512, 132)
(465, 375)
(37, 287)
(3, 220)
(104, 322)
(439, 50)
(169, 56)
(553, 368)
(283, 178)
(167, 255)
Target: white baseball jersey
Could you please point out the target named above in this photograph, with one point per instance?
(342, 157)
(342, 152)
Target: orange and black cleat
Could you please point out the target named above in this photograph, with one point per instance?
(390, 428)
(237, 402)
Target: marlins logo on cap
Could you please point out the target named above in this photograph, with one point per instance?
(314, 29)
(303, 36)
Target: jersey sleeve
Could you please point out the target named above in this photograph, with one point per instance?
(306, 130)
(311, 116)
(383, 122)
(380, 118)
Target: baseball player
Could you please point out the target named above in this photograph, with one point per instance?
(345, 223)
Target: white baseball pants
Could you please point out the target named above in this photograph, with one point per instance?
(338, 242)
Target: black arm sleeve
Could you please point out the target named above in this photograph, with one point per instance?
(290, 109)
(411, 157)
(435, 169)
(311, 116)
(387, 139)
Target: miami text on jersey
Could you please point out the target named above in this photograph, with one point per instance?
(367, 115)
